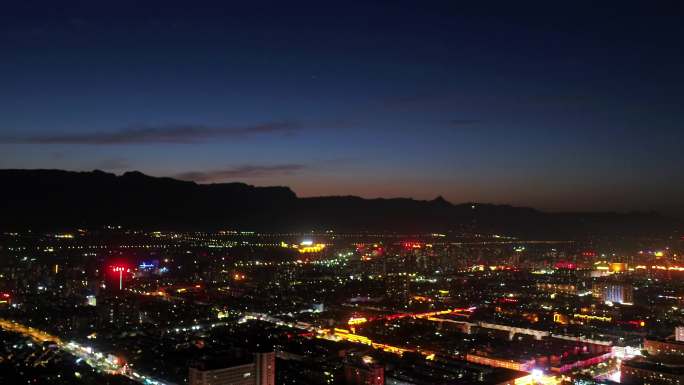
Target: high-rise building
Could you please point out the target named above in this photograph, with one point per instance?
(239, 370)
(640, 371)
(265, 368)
(615, 293)
(679, 333)
(372, 374)
(663, 365)
(664, 347)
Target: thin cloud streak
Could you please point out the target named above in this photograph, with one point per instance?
(176, 134)
(244, 171)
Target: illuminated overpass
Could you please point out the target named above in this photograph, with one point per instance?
(513, 330)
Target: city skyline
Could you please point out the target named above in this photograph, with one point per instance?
(556, 108)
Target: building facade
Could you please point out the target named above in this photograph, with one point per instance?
(372, 374)
(636, 372)
(259, 372)
(664, 347)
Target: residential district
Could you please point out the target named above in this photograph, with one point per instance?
(122, 306)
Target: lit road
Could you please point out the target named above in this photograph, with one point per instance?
(97, 360)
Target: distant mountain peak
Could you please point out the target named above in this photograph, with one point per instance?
(135, 174)
(441, 201)
(53, 199)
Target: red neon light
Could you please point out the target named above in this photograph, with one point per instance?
(412, 245)
(565, 265)
(508, 300)
(637, 323)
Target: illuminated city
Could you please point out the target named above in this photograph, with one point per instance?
(409, 308)
(362, 192)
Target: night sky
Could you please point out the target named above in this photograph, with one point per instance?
(558, 107)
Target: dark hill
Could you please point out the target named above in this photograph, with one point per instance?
(47, 199)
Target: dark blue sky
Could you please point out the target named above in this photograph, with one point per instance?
(559, 107)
